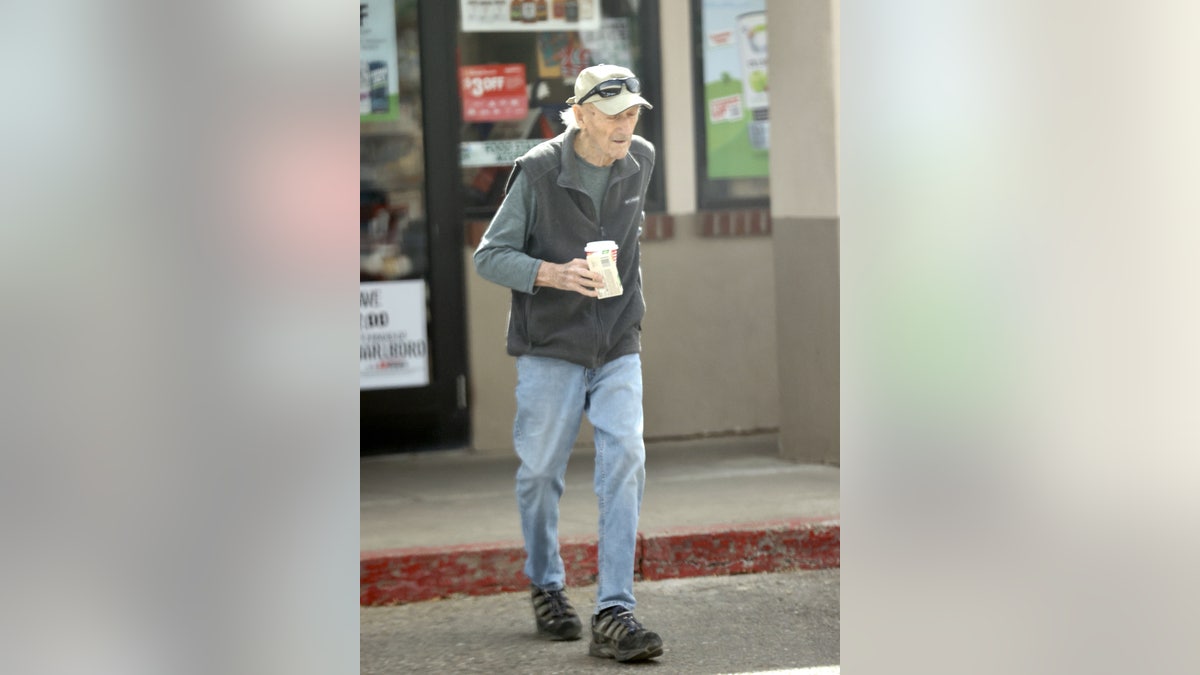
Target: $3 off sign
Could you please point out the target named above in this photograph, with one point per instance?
(493, 92)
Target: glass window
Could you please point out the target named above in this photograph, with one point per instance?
(731, 103)
(392, 231)
(518, 61)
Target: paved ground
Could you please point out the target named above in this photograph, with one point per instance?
(454, 497)
(710, 625)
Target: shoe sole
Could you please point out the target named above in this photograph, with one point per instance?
(610, 653)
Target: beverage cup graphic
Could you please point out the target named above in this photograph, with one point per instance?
(752, 49)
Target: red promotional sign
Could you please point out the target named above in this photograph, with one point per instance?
(493, 92)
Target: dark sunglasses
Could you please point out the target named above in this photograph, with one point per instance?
(610, 88)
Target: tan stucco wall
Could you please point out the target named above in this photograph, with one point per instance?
(804, 213)
(492, 373)
(709, 342)
(678, 147)
(803, 108)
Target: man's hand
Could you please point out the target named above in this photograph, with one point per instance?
(572, 276)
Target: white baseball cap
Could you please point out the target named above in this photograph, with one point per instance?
(612, 88)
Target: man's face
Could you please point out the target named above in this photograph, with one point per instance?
(607, 137)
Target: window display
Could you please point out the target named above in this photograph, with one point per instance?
(501, 59)
(393, 239)
(732, 103)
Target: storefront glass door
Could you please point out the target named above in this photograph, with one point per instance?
(411, 350)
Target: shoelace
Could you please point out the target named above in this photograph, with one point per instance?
(558, 603)
(626, 619)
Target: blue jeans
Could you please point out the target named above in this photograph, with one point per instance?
(552, 396)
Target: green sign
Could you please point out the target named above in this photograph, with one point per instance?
(736, 89)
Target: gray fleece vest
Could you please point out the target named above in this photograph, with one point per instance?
(564, 324)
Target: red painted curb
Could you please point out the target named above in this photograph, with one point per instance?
(767, 547)
(396, 576)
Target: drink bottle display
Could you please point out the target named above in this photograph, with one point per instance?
(752, 47)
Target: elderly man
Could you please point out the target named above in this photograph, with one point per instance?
(578, 349)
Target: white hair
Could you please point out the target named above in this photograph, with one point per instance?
(568, 117)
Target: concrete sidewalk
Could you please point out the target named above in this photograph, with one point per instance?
(445, 523)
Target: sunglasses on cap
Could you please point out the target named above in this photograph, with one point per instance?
(610, 88)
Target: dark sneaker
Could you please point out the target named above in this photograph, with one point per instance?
(617, 635)
(555, 616)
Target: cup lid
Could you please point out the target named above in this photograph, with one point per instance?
(600, 245)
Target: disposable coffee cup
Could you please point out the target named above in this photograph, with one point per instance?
(602, 258)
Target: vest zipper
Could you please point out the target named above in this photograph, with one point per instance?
(599, 332)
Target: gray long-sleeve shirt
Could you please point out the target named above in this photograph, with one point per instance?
(500, 257)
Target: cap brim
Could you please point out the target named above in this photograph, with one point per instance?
(620, 102)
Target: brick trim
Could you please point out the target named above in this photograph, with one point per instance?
(658, 227)
(739, 223)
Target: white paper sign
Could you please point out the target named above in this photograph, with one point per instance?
(494, 153)
(393, 346)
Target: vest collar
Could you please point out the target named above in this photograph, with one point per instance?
(569, 175)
